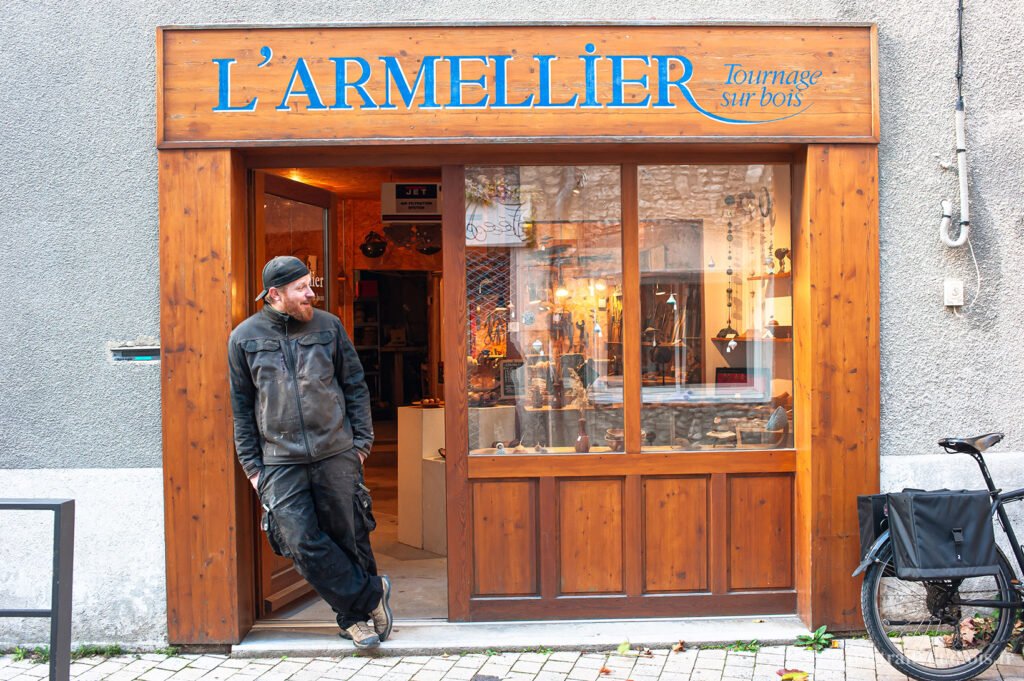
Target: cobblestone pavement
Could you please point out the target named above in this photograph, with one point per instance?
(855, 660)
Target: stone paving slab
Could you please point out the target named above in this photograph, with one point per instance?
(853, 660)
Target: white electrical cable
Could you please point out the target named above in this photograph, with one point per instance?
(977, 271)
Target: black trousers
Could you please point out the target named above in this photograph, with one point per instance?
(319, 515)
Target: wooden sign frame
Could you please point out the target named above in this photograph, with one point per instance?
(441, 84)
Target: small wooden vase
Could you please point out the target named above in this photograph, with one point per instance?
(582, 439)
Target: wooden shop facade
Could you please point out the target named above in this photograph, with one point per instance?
(653, 273)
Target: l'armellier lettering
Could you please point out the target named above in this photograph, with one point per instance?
(352, 74)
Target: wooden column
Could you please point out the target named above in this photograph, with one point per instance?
(207, 502)
(835, 298)
(456, 423)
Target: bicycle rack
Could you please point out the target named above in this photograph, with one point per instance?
(59, 611)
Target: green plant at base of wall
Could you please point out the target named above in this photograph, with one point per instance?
(92, 650)
(819, 640)
(38, 654)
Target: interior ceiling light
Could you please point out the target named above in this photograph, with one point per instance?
(671, 299)
(561, 292)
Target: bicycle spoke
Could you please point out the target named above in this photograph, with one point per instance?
(925, 629)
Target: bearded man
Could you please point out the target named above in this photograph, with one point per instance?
(302, 432)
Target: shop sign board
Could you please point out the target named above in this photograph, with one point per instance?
(252, 86)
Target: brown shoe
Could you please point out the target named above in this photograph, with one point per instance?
(363, 636)
(383, 620)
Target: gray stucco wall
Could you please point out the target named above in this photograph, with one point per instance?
(78, 219)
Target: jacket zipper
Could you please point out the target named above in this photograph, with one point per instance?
(295, 382)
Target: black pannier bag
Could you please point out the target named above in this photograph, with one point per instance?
(872, 518)
(942, 534)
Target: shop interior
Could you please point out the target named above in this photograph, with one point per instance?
(372, 240)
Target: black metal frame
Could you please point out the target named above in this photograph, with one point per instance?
(59, 611)
(999, 499)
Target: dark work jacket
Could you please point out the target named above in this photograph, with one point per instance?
(297, 390)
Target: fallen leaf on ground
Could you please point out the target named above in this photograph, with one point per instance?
(679, 647)
(646, 652)
(758, 621)
(623, 648)
(792, 674)
(605, 670)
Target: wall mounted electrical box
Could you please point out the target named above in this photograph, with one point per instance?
(953, 292)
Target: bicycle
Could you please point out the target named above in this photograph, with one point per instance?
(945, 630)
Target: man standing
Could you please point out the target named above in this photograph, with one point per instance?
(302, 431)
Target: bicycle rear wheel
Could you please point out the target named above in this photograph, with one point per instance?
(923, 635)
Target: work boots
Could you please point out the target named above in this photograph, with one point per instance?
(362, 635)
(383, 620)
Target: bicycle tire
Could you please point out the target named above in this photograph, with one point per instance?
(972, 663)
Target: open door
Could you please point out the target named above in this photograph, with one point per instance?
(289, 218)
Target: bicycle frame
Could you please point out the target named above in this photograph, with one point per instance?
(999, 500)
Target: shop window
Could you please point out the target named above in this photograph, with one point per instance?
(716, 307)
(544, 294)
(544, 308)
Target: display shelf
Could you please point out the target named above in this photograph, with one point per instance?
(368, 309)
(753, 340)
(761, 277)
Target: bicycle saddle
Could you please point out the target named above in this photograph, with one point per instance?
(970, 445)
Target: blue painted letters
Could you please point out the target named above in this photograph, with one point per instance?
(224, 88)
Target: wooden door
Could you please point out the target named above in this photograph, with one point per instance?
(289, 218)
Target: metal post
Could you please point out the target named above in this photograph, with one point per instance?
(59, 611)
(63, 565)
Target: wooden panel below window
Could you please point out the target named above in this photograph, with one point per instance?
(505, 538)
(675, 535)
(760, 532)
(590, 536)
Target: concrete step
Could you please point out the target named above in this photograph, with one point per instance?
(434, 637)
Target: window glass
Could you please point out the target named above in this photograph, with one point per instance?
(299, 229)
(716, 307)
(544, 309)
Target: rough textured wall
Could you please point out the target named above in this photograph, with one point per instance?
(119, 590)
(78, 219)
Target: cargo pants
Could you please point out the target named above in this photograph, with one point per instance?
(320, 515)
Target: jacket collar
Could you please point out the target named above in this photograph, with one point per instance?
(277, 319)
